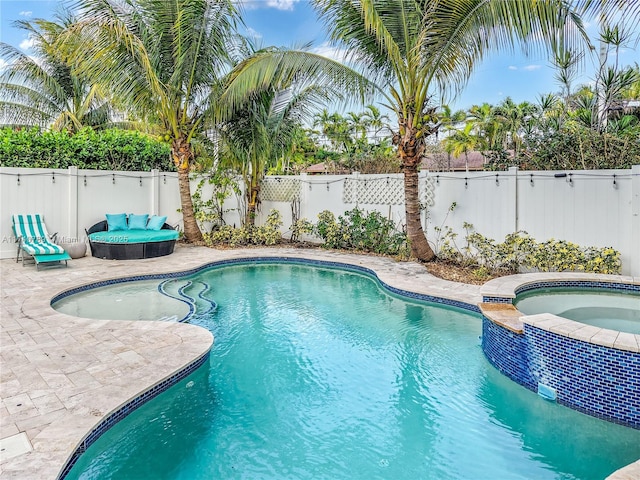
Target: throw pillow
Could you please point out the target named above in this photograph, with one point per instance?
(116, 221)
(138, 222)
(156, 222)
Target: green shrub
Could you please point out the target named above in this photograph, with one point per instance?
(519, 251)
(575, 147)
(267, 234)
(510, 255)
(300, 227)
(357, 230)
(212, 210)
(558, 255)
(111, 149)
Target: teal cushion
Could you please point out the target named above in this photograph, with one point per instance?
(117, 221)
(138, 222)
(156, 222)
(134, 236)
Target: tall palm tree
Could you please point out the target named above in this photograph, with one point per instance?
(411, 46)
(42, 89)
(164, 61)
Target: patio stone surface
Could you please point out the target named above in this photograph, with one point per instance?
(61, 375)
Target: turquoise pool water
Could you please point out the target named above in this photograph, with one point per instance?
(320, 374)
(604, 308)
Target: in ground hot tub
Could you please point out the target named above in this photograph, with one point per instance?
(572, 337)
(615, 309)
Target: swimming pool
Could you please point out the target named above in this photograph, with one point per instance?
(319, 373)
(604, 308)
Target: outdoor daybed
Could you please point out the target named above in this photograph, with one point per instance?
(130, 238)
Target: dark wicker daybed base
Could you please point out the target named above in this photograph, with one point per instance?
(128, 251)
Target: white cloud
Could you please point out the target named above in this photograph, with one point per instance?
(512, 67)
(530, 68)
(26, 44)
(282, 4)
(277, 4)
(25, 13)
(334, 53)
(246, 4)
(253, 33)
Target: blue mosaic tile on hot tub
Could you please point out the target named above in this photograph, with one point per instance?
(506, 350)
(579, 284)
(497, 299)
(600, 381)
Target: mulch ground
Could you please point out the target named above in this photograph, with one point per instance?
(455, 273)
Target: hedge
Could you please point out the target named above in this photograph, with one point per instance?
(111, 149)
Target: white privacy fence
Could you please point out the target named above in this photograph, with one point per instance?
(591, 208)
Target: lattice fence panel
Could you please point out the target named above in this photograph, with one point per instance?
(280, 189)
(385, 191)
(376, 191)
(427, 188)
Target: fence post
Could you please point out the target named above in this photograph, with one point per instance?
(155, 191)
(304, 194)
(513, 197)
(72, 202)
(635, 221)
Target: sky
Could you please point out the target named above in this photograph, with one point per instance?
(292, 23)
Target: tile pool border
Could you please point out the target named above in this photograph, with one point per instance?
(124, 410)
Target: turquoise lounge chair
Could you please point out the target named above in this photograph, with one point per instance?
(34, 242)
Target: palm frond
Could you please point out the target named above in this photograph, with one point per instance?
(280, 68)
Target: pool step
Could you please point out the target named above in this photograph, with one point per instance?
(196, 292)
(190, 292)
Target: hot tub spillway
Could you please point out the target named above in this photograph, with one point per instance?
(193, 293)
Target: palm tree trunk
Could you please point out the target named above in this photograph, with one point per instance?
(410, 150)
(253, 191)
(252, 204)
(182, 155)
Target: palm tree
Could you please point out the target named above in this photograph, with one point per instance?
(485, 125)
(163, 61)
(409, 47)
(262, 130)
(449, 119)
(374, 121)
(516, 120)
(42, 89)
(553, 112)
(463, 141)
